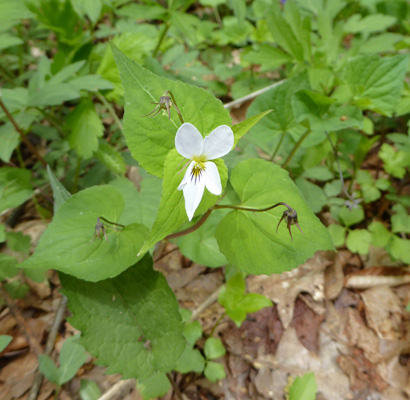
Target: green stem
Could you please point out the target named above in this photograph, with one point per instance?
(217, 206)
(77, 174)
(175, 105)
(278, 146)
(23, 137)
(218, 321)
(193, 227)
(57, 392)
(110, 109)
(295, 148)
(217, 16)
(160, 40)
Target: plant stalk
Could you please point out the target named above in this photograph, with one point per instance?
(23, 137)
(160, 40)
(295, 148)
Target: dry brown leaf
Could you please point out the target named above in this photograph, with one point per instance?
(361, 336)
(383, 311)
(284, 288)
(19, 374)
(334, 275)
(307, 324)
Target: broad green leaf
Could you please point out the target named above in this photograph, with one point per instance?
(155, 386)
(150, 139)
(358, 241)
(47, 366)
(91, 83)
(267, 56)
(368, 24)
(214, 371)
(351, 217)
(7, 40)
(281, 119)
(141, 11)
(376, 82)
(9, 140)
(91, 8)
(86, 127)
(15, 187)
(243, 127)
(60, 193)
(249, 239)
(338, 234)
(171, 213)
(136, 45)
(380, 234)
(400, 220)
(192, 332)
(284, 35)
(320, 173)
(111, 158)
(5, 341)
(52, 95)
(70, 243)
(8, 266)
(141, 204)
(18, 242)
(214, 348)
(313, 194)
(72, 357)
(89, 390)
(201, 246)
(382, 43)
(15, 10)
(237, 304)
(399, 249)
(395, 162)
(303, 387)
(131, 323)
(190, 360)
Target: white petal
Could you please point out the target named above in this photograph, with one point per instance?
(212, 178)
(188, 141)
(193, 192)
(187, 176)
(218, 143)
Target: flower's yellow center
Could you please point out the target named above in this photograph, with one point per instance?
(198, 168)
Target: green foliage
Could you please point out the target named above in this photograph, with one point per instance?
(303, 388)
(86, 127)
(150, 140)
(237, 303)
(249, 239)
(5, 341)
(72, 357)
(15, 187)
(89, 390)
(70, 243)
(131, 323)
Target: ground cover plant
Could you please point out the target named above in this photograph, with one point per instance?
(195, 194)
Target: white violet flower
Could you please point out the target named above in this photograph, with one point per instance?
(201, 172)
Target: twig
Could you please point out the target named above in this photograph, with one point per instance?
(110, 109)
(175, 387)
(118, 389)
(252, 95)
(23, 137)
(204, 305)
(38, 379)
